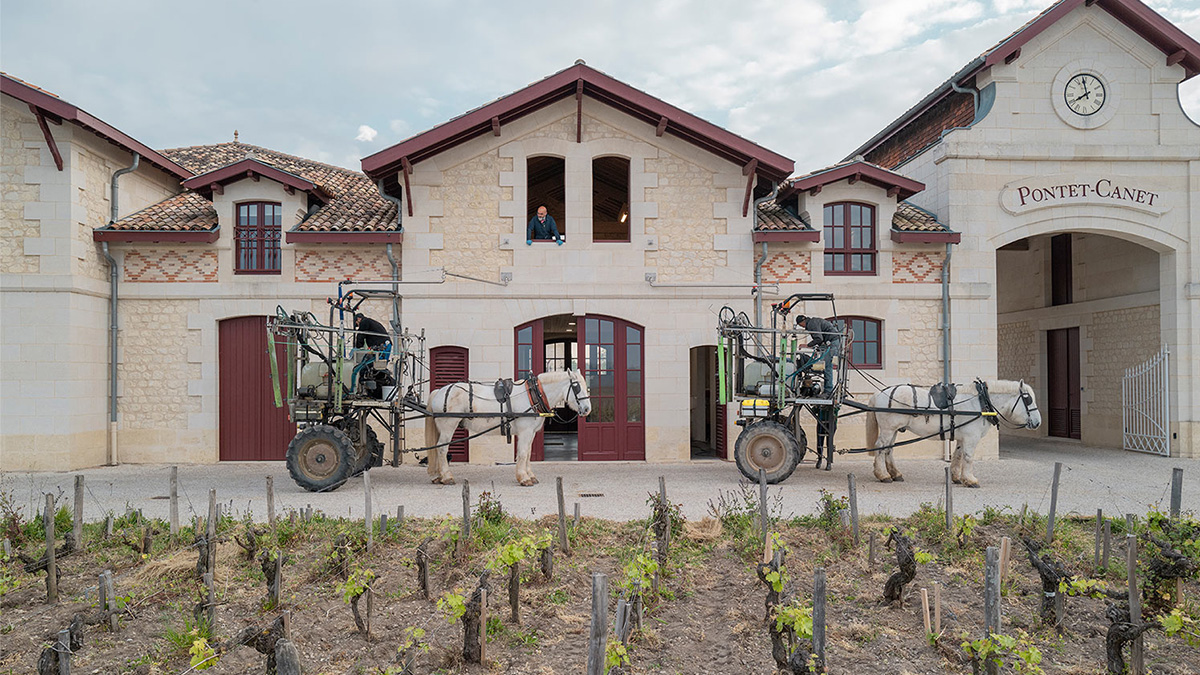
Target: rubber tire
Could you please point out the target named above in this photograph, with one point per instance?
(340, 448)
(771, 433)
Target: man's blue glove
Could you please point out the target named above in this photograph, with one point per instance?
(529, 242)
(560, 242)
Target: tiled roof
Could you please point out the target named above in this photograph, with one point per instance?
(912, 218)
(187, 212)
(354, 206)
(774, 218)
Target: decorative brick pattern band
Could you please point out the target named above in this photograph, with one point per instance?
(171, 265)
(788, 267)
(339, 264)
(917, 267)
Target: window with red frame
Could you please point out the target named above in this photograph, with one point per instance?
(866, 350)
(850, 239)
(256, 238)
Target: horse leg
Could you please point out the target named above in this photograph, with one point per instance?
(956, 462)
(891, 467)
(968, 476)
(886, 438)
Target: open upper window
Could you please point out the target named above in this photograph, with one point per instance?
(546, 186)
(610, 199)
(850, 247)
(866, 350)
(256, 238)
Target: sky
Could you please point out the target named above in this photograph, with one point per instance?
(336, 81)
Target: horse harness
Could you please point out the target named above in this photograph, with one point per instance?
(942, 396)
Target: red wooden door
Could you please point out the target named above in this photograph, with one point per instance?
(612, 352)
(448, 365)
(1063, 370)
(722, 442)
(250, 426)
(531, 362)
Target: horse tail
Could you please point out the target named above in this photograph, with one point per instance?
(872, 429)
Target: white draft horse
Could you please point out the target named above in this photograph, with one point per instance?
(555, 388)
(1013, 403)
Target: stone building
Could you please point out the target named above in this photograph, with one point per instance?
(1041, 230)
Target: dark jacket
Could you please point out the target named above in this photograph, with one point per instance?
(376, 339)
(540, 230)
(822, 331)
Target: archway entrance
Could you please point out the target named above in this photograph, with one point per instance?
(610, 353)
(1074, 310)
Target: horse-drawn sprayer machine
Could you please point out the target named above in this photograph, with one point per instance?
(782, 375)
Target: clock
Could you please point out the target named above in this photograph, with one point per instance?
(1084, 94)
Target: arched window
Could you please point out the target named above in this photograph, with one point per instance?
(546, 186)
(256, 238)
(850, 247)
(610, 199)
(866, 350)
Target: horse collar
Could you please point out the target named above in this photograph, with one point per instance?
(985, 402)
(541, 405)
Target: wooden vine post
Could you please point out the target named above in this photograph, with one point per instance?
(563, 545)
(819, 618)
(211, 537)
(598, 635)
(1099, 538)
(423, 567)
(368, 519)
(466, 519)
(514, 592)
(762, 504)
(1176, 492)
(271, 502)
(991, 601)
(1136, 656)
(853, 506)
(174, 514)
(949, 502)
(51, 564)
(1053, 502)
(77, 524)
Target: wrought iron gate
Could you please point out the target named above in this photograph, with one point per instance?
(1146, 406)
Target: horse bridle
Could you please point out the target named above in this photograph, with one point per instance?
(576, 389)
(1030, 407)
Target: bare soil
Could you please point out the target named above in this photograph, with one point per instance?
(709, 617)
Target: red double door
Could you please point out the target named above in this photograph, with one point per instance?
(250, 426)
(448, 365)
(612, 352)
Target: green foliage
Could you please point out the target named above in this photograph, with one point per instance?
(661, 510)
(10, 579)
(356, 584)
(738, 513)
(615, 655)
(923, 557)
(203, 656)
(1080, 586)
(638, 573)
(64, 521)
(778, 578)
(1182, 533)
(1180, 623)
(558, 596)
(413, 641)
(1018, 652)
(519, 550)
(828, 510)
(795, 617)
(489, 509)
(182, 641)
(964, 527)
(453, 604)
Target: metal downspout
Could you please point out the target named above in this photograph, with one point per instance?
(113, 454)
(391, 258)
(947, 445)
(763, 259)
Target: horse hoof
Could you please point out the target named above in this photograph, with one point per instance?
(533, 480)
(435, 480)
(448, 481)
(527, 483)
(898, 479)
(974, 484)
(885, 480)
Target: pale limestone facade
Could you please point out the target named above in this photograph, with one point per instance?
(1136, 258)
(54, 289)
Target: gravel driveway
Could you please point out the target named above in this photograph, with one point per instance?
(1092, 478)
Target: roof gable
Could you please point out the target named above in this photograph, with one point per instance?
(898, 186)
(580, 80)
(207, 183)
(43, 102)
(1177, 46)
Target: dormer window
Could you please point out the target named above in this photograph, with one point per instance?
(256, 238)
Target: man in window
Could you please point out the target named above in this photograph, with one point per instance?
(542, 226)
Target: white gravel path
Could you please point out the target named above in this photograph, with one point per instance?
(1092, 478)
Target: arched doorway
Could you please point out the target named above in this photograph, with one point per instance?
(610, 352)
(251, 427)
(1074, 310)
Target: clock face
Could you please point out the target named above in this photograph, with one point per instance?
(1084, 94)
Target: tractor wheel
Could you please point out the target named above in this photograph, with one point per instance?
(769, 446)
(319, 458)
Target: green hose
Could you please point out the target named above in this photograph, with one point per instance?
(274, 359)
(335, 378)
(721, 395)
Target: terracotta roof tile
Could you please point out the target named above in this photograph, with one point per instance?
(774, 218)
(355, 204)
(912, 218)
(187, 212)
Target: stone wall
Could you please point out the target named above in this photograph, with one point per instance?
(1017, 352)
(15, 193)
(336, 264)
(788, 267)
(923, 342)
(154, 369)
(1119, 339)
(93, 175)
(917, 267)
(170, 265)
(470, 223)
(685, 225)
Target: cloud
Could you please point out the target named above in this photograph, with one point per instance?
(366, 134)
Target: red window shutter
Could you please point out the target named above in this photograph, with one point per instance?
(448, 365)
